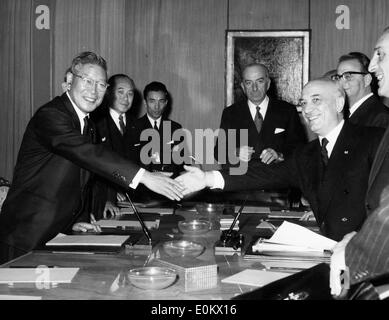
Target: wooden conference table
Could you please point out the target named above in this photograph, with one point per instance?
(102, 276)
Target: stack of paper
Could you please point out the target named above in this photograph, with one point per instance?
(226, 221)
(161, 211)
(253, 209)
(292, 239)
(88, 240)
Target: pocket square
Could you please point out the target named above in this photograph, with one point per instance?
(103, 139)
(279, 130)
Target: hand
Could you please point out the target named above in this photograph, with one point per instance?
(120, 197)
(338, 264)
(85, 226)
(162, 184)
(110, 210)
(194, 179)
(269, 155)
(245, 153)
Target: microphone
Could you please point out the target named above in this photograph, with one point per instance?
(144, 228)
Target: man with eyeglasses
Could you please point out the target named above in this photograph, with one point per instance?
(365, 108)
(49, 191)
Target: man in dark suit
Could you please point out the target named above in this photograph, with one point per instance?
(155, 152)
(332, 171)
(113, 124)
(274, 127)
(365, 108)
(49, 186)
(365, 254)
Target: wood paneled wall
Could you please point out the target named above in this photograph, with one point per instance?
(178, 42)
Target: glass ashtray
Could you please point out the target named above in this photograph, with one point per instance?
(152, 278)
(183, 248)
(194, 227)
(209, 208)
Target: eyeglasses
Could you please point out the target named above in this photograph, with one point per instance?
(346, 76)
(90, 83)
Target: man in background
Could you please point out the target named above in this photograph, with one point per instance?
(366, 254)
(274, 127)
(365, 108)
(113, 124)
(50, 187)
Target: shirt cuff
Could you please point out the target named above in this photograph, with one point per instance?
(218, 180)
(135, 181)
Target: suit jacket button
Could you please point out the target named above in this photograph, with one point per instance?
(344, 219)
(345, 191)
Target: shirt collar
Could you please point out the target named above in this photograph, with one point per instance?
(115, 117)
(152, 121)
(81, 114)
(263, 107)
(357, 104)
(332, 136)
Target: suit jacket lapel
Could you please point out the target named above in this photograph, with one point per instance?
(379, 158)
(336, 166)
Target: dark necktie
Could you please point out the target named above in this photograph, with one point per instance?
(258, 120)
(155, 125)
(87, 126)
(122, 125)
(324, 152)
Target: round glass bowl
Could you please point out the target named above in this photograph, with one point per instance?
(194, 227)
(152, 278)
(183, 248)
(206, 209)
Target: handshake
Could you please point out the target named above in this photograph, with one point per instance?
(195, 179)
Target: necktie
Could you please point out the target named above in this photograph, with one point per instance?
(258, 120)
(87, 126)
(324, 152)
(122, 125)
(155, 125)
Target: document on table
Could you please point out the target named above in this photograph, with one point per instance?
(88, 240)
(257, 278)
(161, 211)
(291, 237)
(18, 297)
(253, 209)
(127, 224)
(38, 274)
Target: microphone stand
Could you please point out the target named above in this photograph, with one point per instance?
(144, 228)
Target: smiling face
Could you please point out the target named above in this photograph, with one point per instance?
(123, 95)
(87, 98)
(358, 85)
(379, 64)
(322, 104)
(255, 83)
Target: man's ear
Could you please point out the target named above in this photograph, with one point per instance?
(340, 101)
(268, 84)
(367, 79)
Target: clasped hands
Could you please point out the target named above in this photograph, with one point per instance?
(267, 156)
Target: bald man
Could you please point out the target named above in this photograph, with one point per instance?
(332, 171)
(279, 130)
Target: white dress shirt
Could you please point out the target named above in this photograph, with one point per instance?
(263, 107)
(357, 104)
(115, 117)
(152, 121)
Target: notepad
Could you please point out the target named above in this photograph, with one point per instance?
(39, 274)
(252, 277)
(127, 224)
(88, 240)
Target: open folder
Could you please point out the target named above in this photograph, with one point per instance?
(293, 239)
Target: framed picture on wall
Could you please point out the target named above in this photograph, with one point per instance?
(285, 53)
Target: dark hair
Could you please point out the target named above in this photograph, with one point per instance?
(88, 57)
(155, 86)
(112, 81)
(363, 60)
